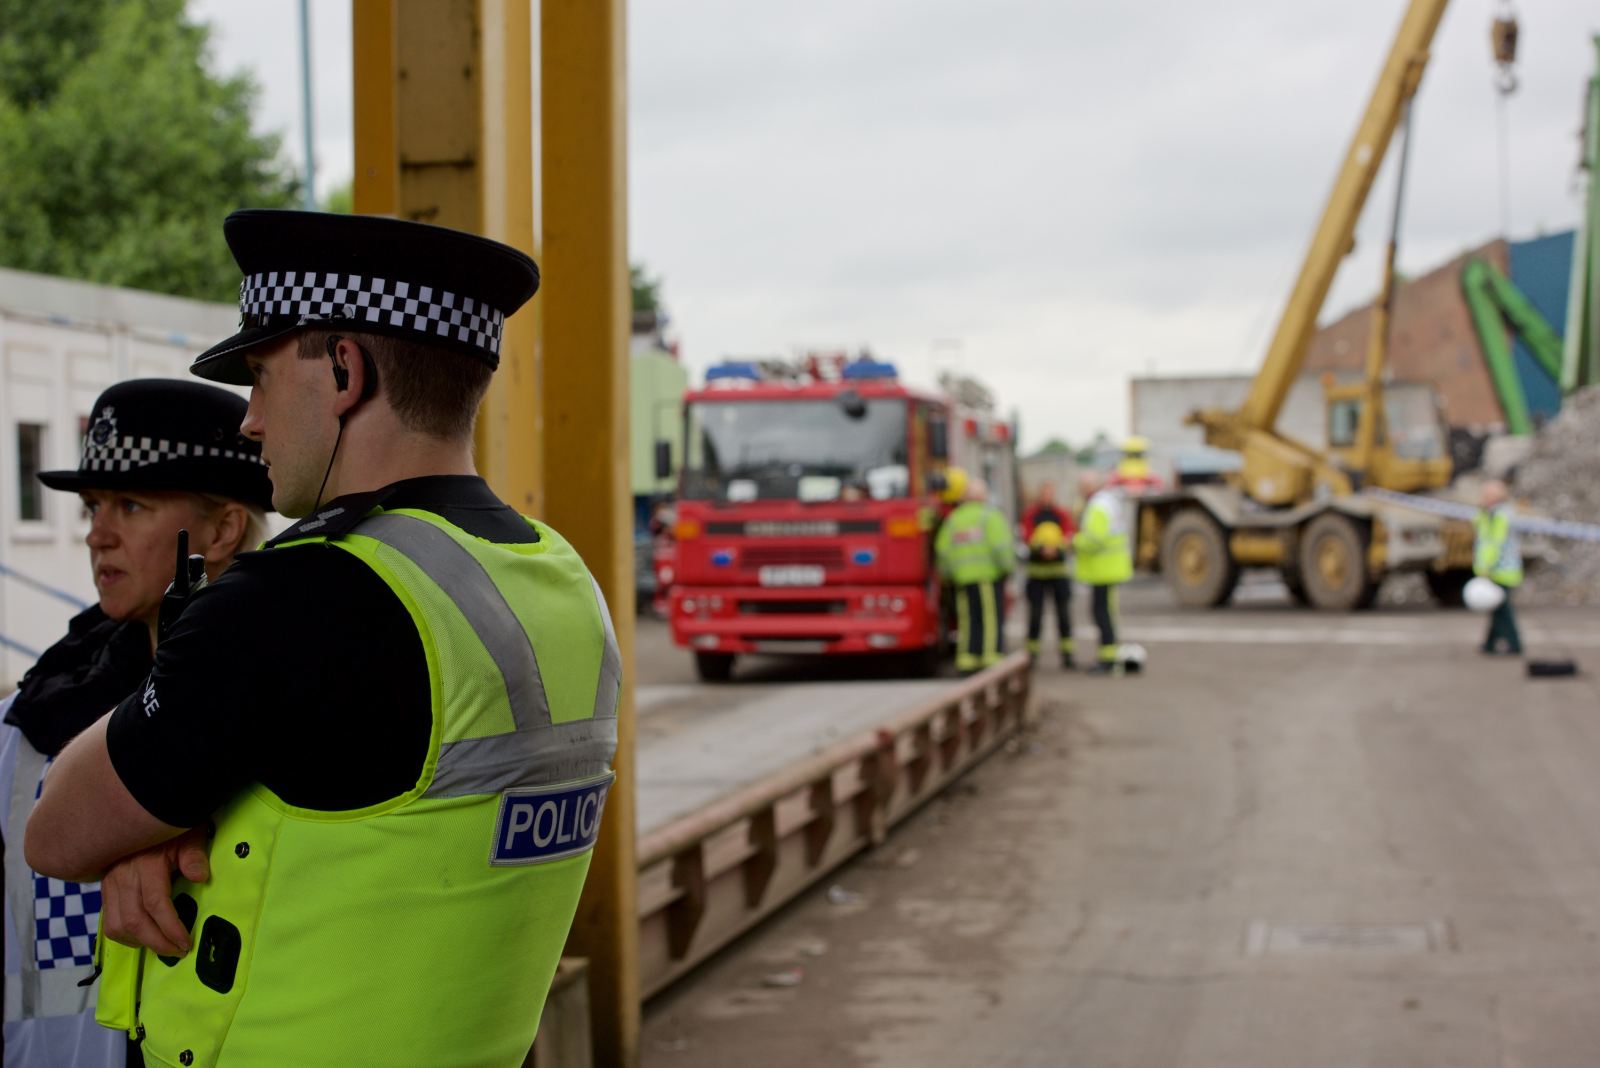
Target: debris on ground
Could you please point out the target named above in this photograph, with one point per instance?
(816, 947)
(838, 895)
(786, 978)
(1560, 479)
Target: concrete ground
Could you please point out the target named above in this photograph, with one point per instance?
(1298, 840)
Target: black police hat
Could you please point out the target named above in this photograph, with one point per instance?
(168, 434)
(367, 273)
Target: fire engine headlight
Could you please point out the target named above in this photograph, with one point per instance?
(716, 604)
(897, 605)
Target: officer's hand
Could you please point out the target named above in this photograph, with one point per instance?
(136, 893)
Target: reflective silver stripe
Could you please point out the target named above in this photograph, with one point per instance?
(463, 579)
(560, 752)
(605, 691)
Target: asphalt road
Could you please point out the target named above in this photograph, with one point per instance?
(1298, 840)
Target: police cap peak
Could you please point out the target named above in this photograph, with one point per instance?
(371, 274)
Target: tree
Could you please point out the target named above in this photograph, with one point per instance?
(341, 198)
(121, 154)
(646, 290)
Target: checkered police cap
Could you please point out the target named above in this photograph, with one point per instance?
(437, 287)
(166, 434)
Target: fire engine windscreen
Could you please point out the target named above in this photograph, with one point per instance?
(805, 450)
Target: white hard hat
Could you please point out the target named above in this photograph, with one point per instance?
(1482, 595)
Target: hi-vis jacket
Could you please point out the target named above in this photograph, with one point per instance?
(974, 545)
(1497, 552)
(426, 929)
(1101, 544)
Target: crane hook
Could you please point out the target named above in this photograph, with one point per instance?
(1503, 40)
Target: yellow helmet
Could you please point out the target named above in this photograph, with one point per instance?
(1047, 535)
(955, 485)
(1135, 446)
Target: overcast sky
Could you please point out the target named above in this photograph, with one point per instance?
(1049, 195)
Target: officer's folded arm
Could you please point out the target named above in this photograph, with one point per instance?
(86, 820)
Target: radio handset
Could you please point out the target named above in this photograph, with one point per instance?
(189, 578)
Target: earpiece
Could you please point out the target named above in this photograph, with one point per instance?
(341, 374)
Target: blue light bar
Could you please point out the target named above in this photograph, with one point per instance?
(734, 369)
(860, 369)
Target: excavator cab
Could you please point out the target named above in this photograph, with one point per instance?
(1411, 445)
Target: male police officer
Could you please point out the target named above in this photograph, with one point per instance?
(973, 549)
(1497, 556)
(1105, 560)
(393, 727)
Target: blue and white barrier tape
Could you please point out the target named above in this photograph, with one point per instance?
(1554, 528)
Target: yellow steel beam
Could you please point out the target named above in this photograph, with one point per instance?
(509, 450)
(583, 192)
(444, 134)
(377, 157)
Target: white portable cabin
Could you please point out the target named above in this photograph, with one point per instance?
(61, 343)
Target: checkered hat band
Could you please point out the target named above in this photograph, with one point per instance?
(316, 296)
(128, 452)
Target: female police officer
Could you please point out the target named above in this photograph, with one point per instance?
(394, 727)
(159, 456)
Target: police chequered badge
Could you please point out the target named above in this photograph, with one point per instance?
(313, 296)
(66, 916)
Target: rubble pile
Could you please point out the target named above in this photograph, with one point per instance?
(1560, 479)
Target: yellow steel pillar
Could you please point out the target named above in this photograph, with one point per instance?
(583, 192)
(444, 134)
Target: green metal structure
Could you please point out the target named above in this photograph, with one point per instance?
(1496, 306)
(1581, 362)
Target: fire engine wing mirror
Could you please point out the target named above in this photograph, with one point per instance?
(937, 483)
(939, 441)
(663, 458)
(851, 404)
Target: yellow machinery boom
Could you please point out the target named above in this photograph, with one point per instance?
(1278, 470)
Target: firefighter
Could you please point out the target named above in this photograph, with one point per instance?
(1104, 558)
(973, 549)
(1133, 471)
(1497, 556)
(1047, 528)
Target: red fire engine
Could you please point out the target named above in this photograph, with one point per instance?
(807, 503)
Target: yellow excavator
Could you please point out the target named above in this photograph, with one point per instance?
(1296, 508)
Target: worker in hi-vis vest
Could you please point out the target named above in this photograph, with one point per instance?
(1497, 556)
(1104, 558)
(377, 752)
(1047, 528)
(974, 553)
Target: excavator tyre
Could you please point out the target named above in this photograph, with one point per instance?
(1200, 570)
(1333, 563)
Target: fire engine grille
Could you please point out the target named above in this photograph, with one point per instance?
(830, 556)
(791, 608)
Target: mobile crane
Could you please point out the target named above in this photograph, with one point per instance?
(1295, 508)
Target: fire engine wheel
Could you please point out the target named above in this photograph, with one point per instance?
(1447, 587)
(1333, 561)
(1194, 556)
(713, 667)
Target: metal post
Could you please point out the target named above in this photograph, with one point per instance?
(308, 196)
(583, 112)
